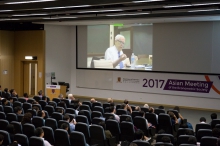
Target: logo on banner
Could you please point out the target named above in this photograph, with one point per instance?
(127, 80)
(213, 86)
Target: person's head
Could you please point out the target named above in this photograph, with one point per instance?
(92, 100)
(66, 118)
(216, 132)
(137, 108)
(142, 114)
(161, 131)
(119, 42)
(126, 101)
(183, 126)
(192, 140)
(4, 101)
(44, 98)
(62, 104)
(166, 139)
(18, 110)
(133, 144)
(102, 123)
(36, 108)
(64, 126)
(14, 144)
(146, 105)
(27, 118)
(52, 104)
(10, 129)
(10, 99)
(112, 104)
(112, 109)
(25, 95)
(161, 107)
(151, 110)
(1, 139)
(34, 102)
(60, 96)
(172, 115)
(70, 97)
(202, 119)
(139, 134)
(12, 90)
(177, 108)
(60, 110)
(128, 119)
(40, 92)
(6, 89)
(110, 100)
(39, 132)
(41, 113)
(124, 106)
(213, 116)
(189, 132)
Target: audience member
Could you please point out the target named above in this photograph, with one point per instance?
(1, 139)
(139, 135)
(10, 101)
(26, 119)
(41, 114)
(53, 104)
(62, 104)
(127, 108)
(112, 111)
(180, 116)
(44, 98)
(13, 93)
(39, 132)
(65, 126)
(93, 100)
(71, 123)
(216, 132)
(107, 132)
(61, 96)
(202, 120)
(18, 110)
(25, 96)
(213, 117)
(166, 139)
(151, 110)
(36, 108)
(4, 102)
(110, 100)
(35, 102)
(161, 107)
(133, 144)
(60, 110)
(146, 106)
(137, 108)
(192, 140)
(7, 93)
(128, 119)
(173, 118)
(142, 114)
(40, 93)
(70, 97)
(11, 131)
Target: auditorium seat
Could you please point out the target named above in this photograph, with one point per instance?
(159, 111)
(72, 116)
(164, 122)
(52, 123)
(30, 100)
(124, 117)
(67, 102)
(14, 99)
(26, 106)
(8, 109)
(121, 112)
(96, 120)
(182, 131)
(17, 103)
(38, 121)
(202, 126)
(134, 114)
(11, 117)
(159, 137)
(97, 135)
(70, 111)
(37, 105)
(32, 111)
(105, 105)
(217, 126)
(28, 130)
(84, 107)
(215, 122)
(20, 117)
(87, 103)
(145, 109)
(2, 116)
(1, 108)
(118, 106)
(84, 128)
(208, 141)
(21, 139)
(141, 143)
(141, 123)
(183, 139)
(77, 139)
(57, 116)
(3, 124)
(187, 145)
(17, 126)
(52, 103)
(87, 114)
(127, 131)
(203, 132)
(7, 139)
(36, 141)
(58, 108)
(174, 111)
(43, 104)
(22, 100)
(96, 114)
(37, 98)
(99, 109)
(107, 115)
(57, 100)
(60, 122)
(133, 107)
(82, 118)
(49, 134)
(61, 138)
(151, 118)
(96, 104)
(163, 144)
(114, 128)
(49, 109)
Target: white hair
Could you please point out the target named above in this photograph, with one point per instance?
(70, 95)
(118, 36)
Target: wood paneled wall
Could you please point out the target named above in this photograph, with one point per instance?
(7, 59)
(29, 43)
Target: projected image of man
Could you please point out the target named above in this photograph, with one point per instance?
(115, 53)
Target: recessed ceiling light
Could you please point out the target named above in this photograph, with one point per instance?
(8, 19)
(110, 10)
(6, 10)
(175, 6)
(21, 15)
(144, 1)
(204, 10)
(67, 17)
(50, 18)
(25, 2)
(88, 11)
(127, 14)
(66, 7)
(202, 4)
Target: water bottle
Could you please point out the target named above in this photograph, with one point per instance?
(132, 61)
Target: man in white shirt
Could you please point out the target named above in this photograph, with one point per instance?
(39, 132)
(115, 53)
(112, 111)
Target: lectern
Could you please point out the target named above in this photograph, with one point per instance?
(53, 91)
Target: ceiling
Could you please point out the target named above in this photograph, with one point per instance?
(69, 12)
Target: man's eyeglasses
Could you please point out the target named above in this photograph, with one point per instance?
(122, 43)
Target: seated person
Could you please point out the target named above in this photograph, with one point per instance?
(161, 107)
(11, 101)
(127, 108)
(113, 111)
(128, 119)
(70, 97)
(166, 139)
(93, 100)
(26, 96)
(26, 119)
(202, 120)
(4, 102)
(14, 144)
(180, 116)
(61, 96)
(139, 135)
(41, 114)
(142, 114)
(110, 100)
(192, 140)
(213, 117)
(107, 132)
(71, 123)
(18, 110)
(36, 108)
(11, 131)
(173, 118)
(44, 98)
(151, 110)
(62, 104)
(216, 132)
(39, 132)
(13, 93)
(146, 106)
(137, 108)
(40, 93)
(60, 110)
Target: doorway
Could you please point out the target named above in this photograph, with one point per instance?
(30, 77)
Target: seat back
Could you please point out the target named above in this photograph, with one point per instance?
(49, 109)
(217, 126)
(36, 141)
(12, 117)
(38, 122)
(182, 131)
(77, 139)
(121, 112)
(21, 139)
(57, 116)
(43, 104)
(32, 111)
(1, 108)
(141, 123)
(49, 135)
(61, 137)
(28, 130)
(145, 109)
(151, 118)
(96, 104)
(134, 114)
(163, 144)
(203, 132)
(7, 139)
(159, 137)
(96, 114)
(202, 126)
(141, 143)
(8, 109)
(84, 128)
(37, 98)
(183, 139)
(26, 106)
(208, 141)
(30, 100)
(87, 103)
(97, 135)
(20, 117)
(52, 123)
(99, 109)
(57, 100)
(2, 116)
(105, 105)
(215, 122)
(127, 131)
(66, 101)
(96, 120)
(17, 103)
(164, 122)
(124, 117)
(70, 111)
(60, 122)
(17, 126)
(37, 105)
(176, 113)
(22, 100)
(84, 107)
(15, 99)
(3, 124)
(107, 115)
(159, 111)
(82, 118)
(114, 128)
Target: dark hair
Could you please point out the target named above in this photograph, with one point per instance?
(36, 108)
(216, 132)
(38, 131)
(62, 104)
(10, 129)
(40, 92)
(213, 116)
(53, 104)
(40, 113)
(10, 98)
(11, 90)
(126, 101)
(17, 108)
(161, 107)
(60, 110)
(25, 95)
(64, 126)
(1, 137)
(66, 117)
(14, 144)
(111, 109)
(161, 131)
(151, 110)
(183, 126)
(6, 89)
(128, 119)
(123, 106)
(112, 104)
(189, 132)
(202, 119)
(141, 113)
(165, 139)
(139, 134)
(26, 119)
(4, 101)
(44, 97)
(192, 140)
(177, 108)
(171, 114)
(102, 123)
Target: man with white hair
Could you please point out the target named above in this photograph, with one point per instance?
(115, 53)
(70, 97)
